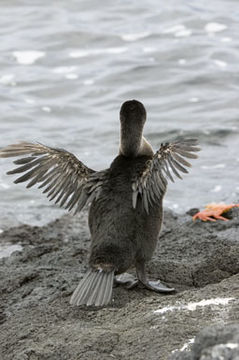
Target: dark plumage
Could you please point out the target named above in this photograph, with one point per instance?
(126, 200)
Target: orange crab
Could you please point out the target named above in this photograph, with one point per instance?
(214, 210)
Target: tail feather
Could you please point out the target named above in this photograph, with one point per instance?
(107, 294)
(94, 289)
(83, 289)
(92, 299)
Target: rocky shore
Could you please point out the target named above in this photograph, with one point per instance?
(201, 260)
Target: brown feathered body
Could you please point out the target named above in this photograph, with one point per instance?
(122, 235)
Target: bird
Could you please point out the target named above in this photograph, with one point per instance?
(125, 200)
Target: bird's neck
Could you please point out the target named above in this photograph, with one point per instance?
(130, 141)
(133, 144)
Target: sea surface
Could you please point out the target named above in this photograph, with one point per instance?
(67, 66)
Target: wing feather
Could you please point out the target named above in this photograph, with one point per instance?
(167, 162)
(176, 173)
(58, 172)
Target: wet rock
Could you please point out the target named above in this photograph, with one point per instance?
(192, 211)
(37, 323)
(196, 253)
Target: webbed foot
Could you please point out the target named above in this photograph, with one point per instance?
(126, 279)
(156, 286)
(214, 212)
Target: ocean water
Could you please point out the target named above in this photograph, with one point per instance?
(66, 67)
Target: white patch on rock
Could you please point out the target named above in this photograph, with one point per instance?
(192, 306)
(7, 249)
(186, 345)
(218, 301)
(232, 346)
(165, 309)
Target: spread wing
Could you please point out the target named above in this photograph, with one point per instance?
(63, 177)
(167, 162)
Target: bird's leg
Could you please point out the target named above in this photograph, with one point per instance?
(156, 286)
(126, 279)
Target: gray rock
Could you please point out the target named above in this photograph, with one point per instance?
(217, 342)
(36, 321)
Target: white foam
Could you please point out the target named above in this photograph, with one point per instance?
(220, 63)
(174, 29)
(226, 39)
(149, 49)
(118, 50)
(182, 61)
(183, 33)
(214, 27)
(81, 53)
(4, 186)
(178, 31)
(46, 109)
(219, 166)
(28, 57)
(30, 101)
(71, 76)
(7, 249)
(1, 231)
(151, 59)
(194, 99)
(216, 166)
(88, 82)
(7, 79)
(135, 36)
(93, 52)
(217, 188)
(192, 306)
(64, 69)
